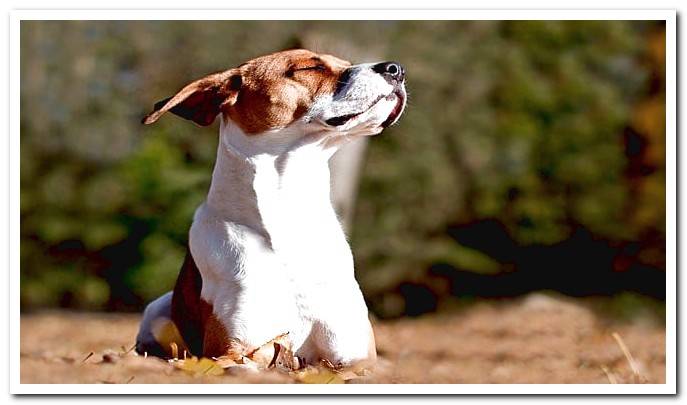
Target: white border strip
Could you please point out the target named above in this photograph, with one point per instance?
(671, 202)
(671, 198)
(368, 389)
(14, 198)
(334, 14)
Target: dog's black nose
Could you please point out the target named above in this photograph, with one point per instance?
(391, 70)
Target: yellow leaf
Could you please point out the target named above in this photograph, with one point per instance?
(198, 367)
(312, 375)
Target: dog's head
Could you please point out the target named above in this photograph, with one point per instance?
(296, 87)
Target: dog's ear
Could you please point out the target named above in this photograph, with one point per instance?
(201, 100)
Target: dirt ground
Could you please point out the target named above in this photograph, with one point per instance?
(536, 339)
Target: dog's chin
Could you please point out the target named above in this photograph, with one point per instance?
(382, 113)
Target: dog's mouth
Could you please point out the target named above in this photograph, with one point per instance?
(398, 108)
(342, 119)
(400, 96)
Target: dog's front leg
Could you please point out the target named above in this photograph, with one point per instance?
(342, 336)
(248, 294)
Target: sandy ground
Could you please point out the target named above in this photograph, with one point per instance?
(537, 339)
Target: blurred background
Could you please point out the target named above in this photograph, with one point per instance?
(531, 157)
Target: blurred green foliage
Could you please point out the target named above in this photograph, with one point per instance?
(521, 121)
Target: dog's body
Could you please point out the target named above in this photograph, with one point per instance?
(267, 254)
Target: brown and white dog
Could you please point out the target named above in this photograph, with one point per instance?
(267, 254)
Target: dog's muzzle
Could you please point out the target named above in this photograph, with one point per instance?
(394, 74)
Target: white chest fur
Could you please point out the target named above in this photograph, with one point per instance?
(272, 253)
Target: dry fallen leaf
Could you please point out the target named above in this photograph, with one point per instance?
(316, 375)
(344, 373)
(275, 354)
(199, 367)
(284, 359)
(266, 353)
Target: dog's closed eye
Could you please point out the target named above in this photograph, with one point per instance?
(291, 71)
(316, 67)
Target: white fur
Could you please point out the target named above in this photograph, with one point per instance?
(267, 242)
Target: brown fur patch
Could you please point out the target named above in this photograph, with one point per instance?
(216, 341)
(202, 332)
(199, 101)
(187, 313)
(279, 88)
(266, 93)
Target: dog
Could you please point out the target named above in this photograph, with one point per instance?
(266, 253)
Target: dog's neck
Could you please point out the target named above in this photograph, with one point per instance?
(278, 184)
